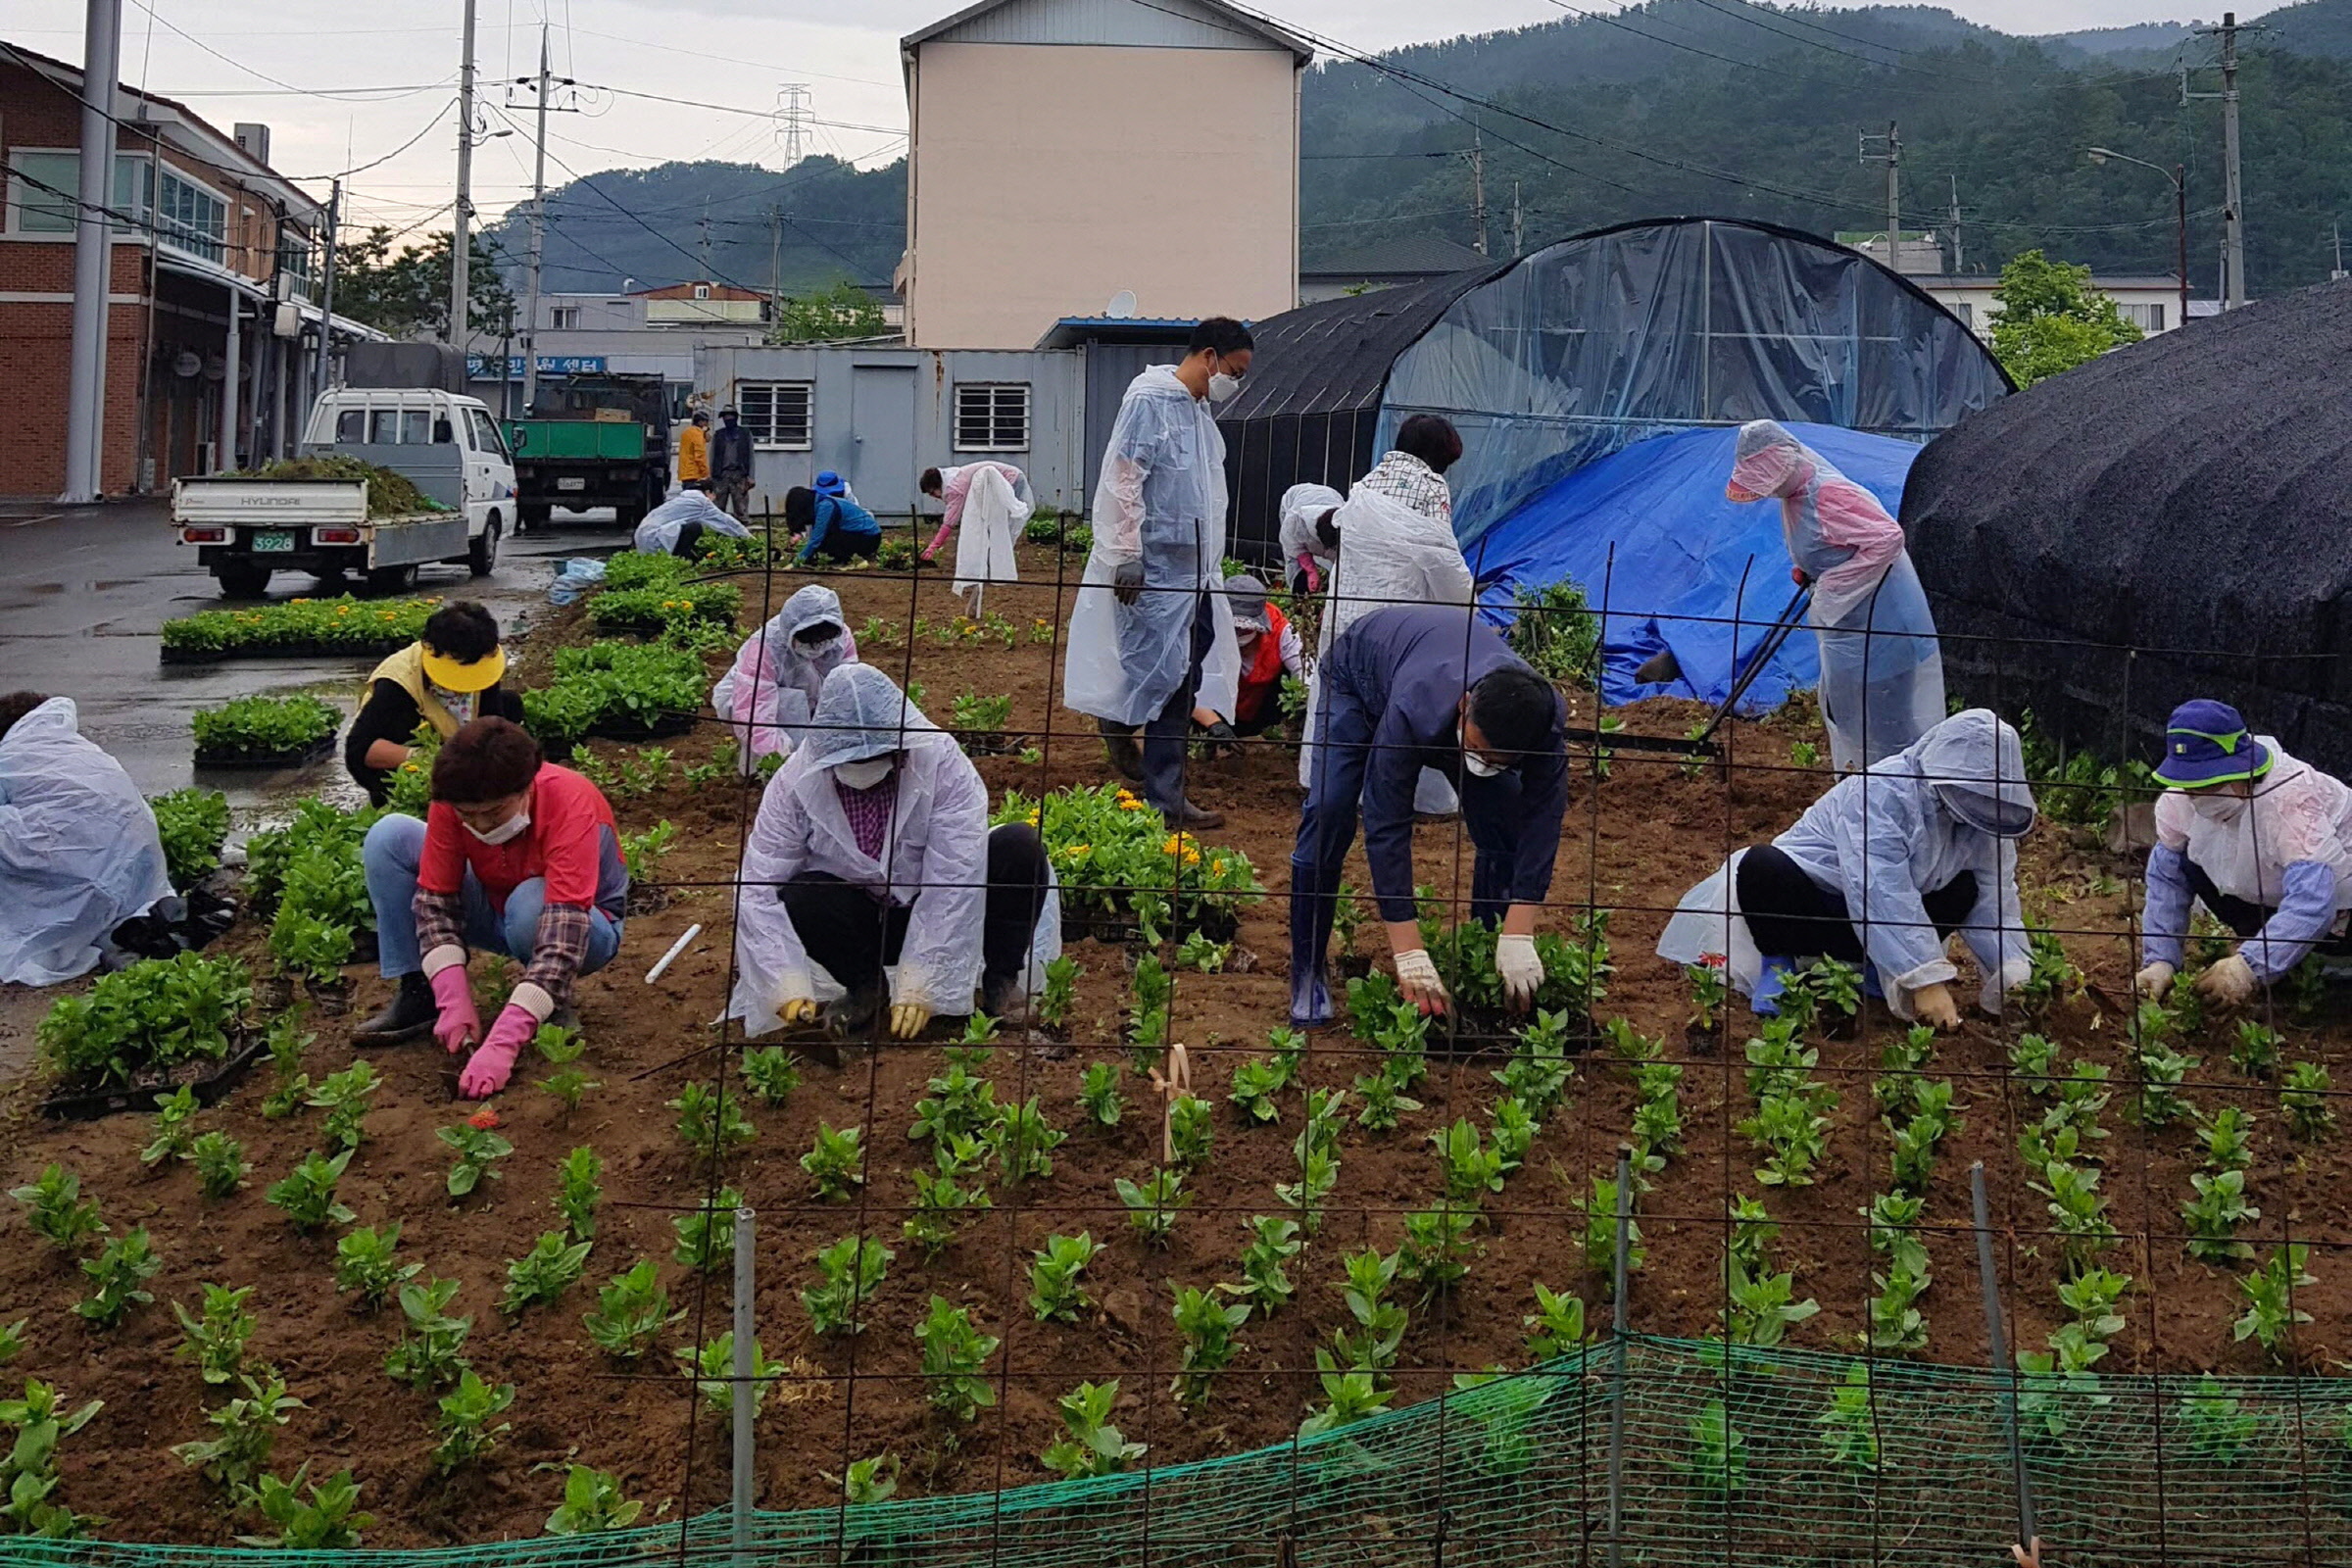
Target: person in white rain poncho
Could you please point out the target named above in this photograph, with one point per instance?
(1395, 546)
(1878, 873)
(677, 526)
(1149, 606)
(770, 693)
(993, 513)
(952, 488)
(1311, 535)
(872, 853)
(78, 849)
(1882, 674)
(2262, 839)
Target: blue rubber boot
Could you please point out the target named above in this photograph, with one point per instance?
(1312, 911)
(1871, 987)
(1771, 980)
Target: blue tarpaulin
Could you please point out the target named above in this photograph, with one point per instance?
(1672, 563)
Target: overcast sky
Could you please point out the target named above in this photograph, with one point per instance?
(234, 59)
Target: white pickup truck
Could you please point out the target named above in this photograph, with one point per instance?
(245, 529)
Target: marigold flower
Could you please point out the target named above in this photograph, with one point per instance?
(484, 1118)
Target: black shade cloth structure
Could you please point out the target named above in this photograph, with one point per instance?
(2082, 541)
(1588, 345)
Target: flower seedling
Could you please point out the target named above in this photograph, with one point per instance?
(593, 1503)
(1318, 1174)
(28, 1476)
(850, 1271)
(1707, 992)
(216, 1341)
(711, 1122)
(2031, 1057)
(1794, 1136)
(1557, 1324)
(1601, 1234)
(1099, 1093)
(1265, 1280)
(476, 1147)
(2213, 1426)
(329, 1520)
(1760, 1308)
(1437, 1251)
(344, 1096)
(871, 1480)
(1190, 1131)
(466, 1434)
(954, 1354)
(2077, 1212)
(1090, 1445)
(432, 1349)
(247, 1428)
(2303, 1100)
(631, 1311)
(1024, 1142)
(308, 947)
(368, 1263)
(308, 1193)
(1154, 1203)
(1061, 989)
(940, 1199)
(2050, 975)
(2226, 1138)
(2091, 1296)
(1753, 1231)
(287, 1097)
(1379, 1323)
(2162, 1071)
(220, 1165)
(1514, 1132)
(174, 1140)
(1849, 1427)
(1384, 1096)
(2255, 1051)
(1897, 1327)
(1902, 1061)
(551, 1267)
(1256, 1083)
(1055, 1287)
(579, 1192)
(1471, 1169)
(561, 1047)
(1349, 1396)
(2271, 1312)
(1207, 1327)
(707, 1235)
(57, 1211)
(770, 1072)
(1718, 1458)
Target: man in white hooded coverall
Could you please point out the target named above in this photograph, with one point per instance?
(872, 853)
(78, 849)
(1147, 607)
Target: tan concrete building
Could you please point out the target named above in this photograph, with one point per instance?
(1065, 153)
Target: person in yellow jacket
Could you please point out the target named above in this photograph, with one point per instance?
(694, 451)
(450, 675)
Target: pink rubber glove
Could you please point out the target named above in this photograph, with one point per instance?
(1315, 577)
(492, 1065)
(459, 1025)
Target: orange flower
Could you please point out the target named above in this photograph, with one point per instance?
(484, 1118)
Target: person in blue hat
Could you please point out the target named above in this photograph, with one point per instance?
(833, 527)
(2263, 841)
(829, 483)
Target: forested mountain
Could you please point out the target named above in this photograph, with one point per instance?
(1727, 107)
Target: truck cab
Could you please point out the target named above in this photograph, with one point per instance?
(444, 443)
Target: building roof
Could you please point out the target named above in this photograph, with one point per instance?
(685, 292)
(1422, 255)
(1987, 280)
(183, 129)
(1073, 331)
(1102, 21)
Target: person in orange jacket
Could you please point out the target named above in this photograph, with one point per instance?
(694, 450)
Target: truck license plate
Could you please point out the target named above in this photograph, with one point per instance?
(274, 541)
(571, 484)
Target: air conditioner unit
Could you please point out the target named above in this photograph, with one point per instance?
(253, 140)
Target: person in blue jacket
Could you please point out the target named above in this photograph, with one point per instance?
(1418, 686)
(834, 525)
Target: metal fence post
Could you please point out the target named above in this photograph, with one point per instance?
(1617, 1334)
(744, 1386)
(1998, 1346)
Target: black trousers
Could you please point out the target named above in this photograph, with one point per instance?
(2246, 918)
(856, 939)
(689, 543)
(1790, 916)
(839, 547)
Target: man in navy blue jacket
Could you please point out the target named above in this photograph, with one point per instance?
(1420, 686)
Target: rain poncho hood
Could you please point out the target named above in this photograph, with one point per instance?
(657, 534)
(1882, 675)
(79, 849)
(934, 858)
(1883, 839)
(1161, 501)
(1301, 505)
(770, 694)
(860, 713)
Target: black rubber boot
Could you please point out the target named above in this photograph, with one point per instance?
(1120, 745)
(410, 1015)
(854, 1015)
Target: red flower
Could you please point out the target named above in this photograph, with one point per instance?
(484, 1118)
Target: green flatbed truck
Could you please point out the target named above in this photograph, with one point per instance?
(592, 441)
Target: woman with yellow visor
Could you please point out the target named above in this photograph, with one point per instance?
(449, 676)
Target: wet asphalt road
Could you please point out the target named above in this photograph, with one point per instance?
(82, 594)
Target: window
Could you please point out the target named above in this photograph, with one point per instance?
(351, 427)
(401, 427)
(2147, 318)
(1966, 312)
(485, 433)
(992, 418)
(776, 412)
(188, 218)
(42, 194)
(701, 291)
(564, 317)
(295, 261)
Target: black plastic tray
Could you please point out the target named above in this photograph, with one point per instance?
(375, 649)
(266, 759)
(211, 1083)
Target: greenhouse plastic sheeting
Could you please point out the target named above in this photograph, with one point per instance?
(1671, 563)
(1738, 1457)
(1593, 344)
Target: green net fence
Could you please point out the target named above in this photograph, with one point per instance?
(1729, 1456)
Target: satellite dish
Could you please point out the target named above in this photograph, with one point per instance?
(1122, 305)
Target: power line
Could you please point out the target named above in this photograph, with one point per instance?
(423, 132)
(278, 81)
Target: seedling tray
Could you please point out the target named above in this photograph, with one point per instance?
(376, 648)
(300, 757)
(212, 1080)
(666, 727)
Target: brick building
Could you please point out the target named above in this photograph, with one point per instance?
(207, 238)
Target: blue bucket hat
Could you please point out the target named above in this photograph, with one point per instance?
(828, 483)
(2207, 743)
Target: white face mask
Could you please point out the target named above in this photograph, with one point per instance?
(1223, 388)
(815, 651)
(1480, 768)
(866, 774)
(513, 827)
(2218, 807)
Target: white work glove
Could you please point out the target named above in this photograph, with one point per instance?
(1417, 978)
(2154, 981)
(1997, 986)
(2230, 983)
(1521, 971)
(1932, 1004)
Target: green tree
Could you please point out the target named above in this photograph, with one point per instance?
(843, 311)
(405, 292)
(2052, 320)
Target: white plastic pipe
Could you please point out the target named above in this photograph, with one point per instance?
(675, 948)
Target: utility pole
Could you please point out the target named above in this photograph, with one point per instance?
(461, 239)
(93, 254)
(530, 320)
(1894, 202)
(2233, 213)
(706, 224)
(775, 268)
(1477, 186)
(2339, 231)
(327, 292)
(1518, 223)
(1957, 267)
(795, 109)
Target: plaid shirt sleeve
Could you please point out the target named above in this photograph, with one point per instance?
(561, 948)
(440, 924)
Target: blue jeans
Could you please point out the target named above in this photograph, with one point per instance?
(393, 849)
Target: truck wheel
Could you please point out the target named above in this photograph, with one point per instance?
(392, 579)
(527, 518)
(242, 579)
(481, 556)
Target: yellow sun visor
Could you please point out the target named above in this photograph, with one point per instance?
(450, 675)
